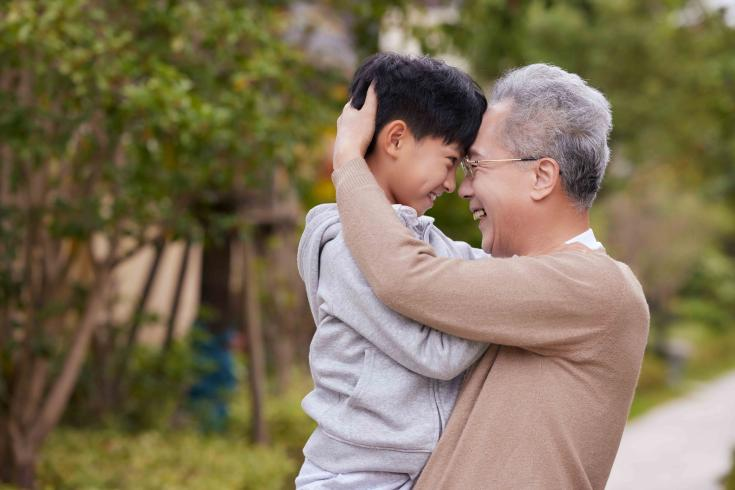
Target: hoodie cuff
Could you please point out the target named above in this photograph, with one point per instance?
(352, 175)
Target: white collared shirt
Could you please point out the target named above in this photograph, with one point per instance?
(587, 239)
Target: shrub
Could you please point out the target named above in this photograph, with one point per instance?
(102, 459)
(728, 483)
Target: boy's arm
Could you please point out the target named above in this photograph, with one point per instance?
(416, 347)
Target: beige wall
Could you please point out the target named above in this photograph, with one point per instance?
(131, 275)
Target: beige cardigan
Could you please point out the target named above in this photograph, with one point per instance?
(545, 407)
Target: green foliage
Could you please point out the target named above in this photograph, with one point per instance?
(153, 390)
(728, 482)
(653, 373)
(119, 116)
(668, 201)
(160, 456)
(364, 20)
(105, 459)
(709, 298)
(643, 55)
(288, 424)
(126, 123)
(711, 356)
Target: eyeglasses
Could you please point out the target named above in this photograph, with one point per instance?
(469, 166)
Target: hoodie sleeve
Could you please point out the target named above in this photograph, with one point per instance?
(421, 349)
(469, 252)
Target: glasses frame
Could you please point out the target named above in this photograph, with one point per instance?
(469, 166)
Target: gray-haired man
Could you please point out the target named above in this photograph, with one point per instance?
(546, 406)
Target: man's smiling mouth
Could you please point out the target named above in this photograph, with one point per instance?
(478, 214)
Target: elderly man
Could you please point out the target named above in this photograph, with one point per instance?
(546, 405)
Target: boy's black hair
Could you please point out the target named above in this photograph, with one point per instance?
(433, 98)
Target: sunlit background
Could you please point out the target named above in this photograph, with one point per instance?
(156, 162)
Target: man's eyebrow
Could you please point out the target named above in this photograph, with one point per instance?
(472, 153)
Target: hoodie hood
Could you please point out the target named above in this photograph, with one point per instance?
(322, 225)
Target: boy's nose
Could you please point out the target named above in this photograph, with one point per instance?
(465, 189)
(450, 184)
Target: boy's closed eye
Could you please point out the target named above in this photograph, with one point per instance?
(453, 162)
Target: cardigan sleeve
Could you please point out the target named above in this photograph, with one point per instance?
(507, 301)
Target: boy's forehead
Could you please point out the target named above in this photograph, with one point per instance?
(455, 147)
(451, 146)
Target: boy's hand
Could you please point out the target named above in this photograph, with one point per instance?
(355, 130)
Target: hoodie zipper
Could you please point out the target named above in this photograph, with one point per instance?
(434, 383)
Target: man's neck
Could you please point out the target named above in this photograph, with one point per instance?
(552, 234)
(380, 172)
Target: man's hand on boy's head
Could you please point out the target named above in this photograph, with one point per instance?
(355, 130)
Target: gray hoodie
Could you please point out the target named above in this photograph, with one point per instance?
(384, 385)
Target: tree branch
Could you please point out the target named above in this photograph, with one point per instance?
(63, 385)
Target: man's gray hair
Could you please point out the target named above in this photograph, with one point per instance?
(556, 114)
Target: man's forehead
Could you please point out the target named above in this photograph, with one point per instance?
(487, 135)
(483, 140)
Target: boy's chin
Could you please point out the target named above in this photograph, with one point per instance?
(420, 211)
(418, 207)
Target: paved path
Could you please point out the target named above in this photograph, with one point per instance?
(686, 444)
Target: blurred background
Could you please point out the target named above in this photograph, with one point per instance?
(157, 159)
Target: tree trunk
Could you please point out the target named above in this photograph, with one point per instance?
(284, 284)
(173, 313)
(23, 473)
(137, 316)
(5, 450)
(61, 390)
(24, 435)
(215, 286)
(254, 332)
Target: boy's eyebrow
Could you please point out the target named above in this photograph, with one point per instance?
(457, 149)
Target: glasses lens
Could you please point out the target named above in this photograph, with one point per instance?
(466, 168)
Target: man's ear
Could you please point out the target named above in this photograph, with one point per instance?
(546, 177)
(393, 137)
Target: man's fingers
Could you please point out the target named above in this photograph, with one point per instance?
(371, 99)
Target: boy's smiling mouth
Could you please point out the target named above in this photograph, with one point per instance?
(433, 196)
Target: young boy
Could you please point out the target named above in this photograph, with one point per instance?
(385, 385)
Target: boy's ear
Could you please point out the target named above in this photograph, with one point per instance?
(393, 137)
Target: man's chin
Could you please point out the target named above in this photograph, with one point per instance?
(487, 245)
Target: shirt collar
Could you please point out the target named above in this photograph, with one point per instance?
(587, 239)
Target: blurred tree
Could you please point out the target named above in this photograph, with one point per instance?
(126, 124)
(667, 68)
(656, 213)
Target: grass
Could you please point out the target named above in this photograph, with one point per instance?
(97, 458)
(728, 482)
(712, 356)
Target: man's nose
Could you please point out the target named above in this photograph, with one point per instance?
(465, 189)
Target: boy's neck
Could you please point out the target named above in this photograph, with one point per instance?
(379, 168)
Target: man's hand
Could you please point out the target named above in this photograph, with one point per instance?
(355, 130)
